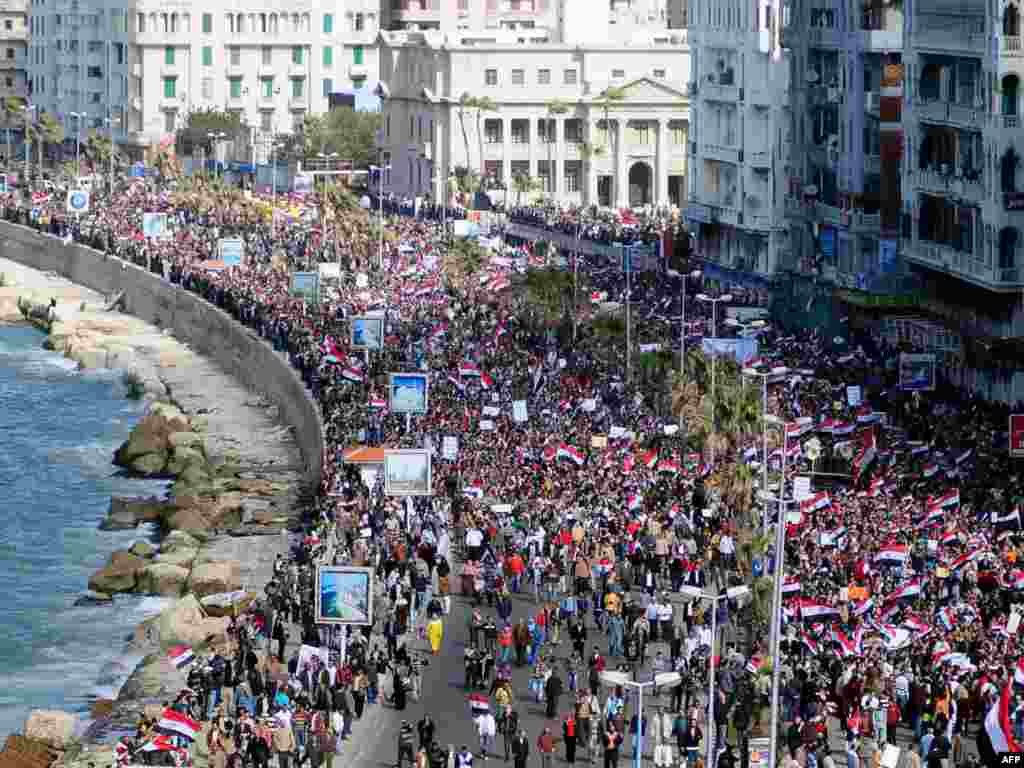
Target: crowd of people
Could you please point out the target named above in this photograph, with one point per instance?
(574, 521)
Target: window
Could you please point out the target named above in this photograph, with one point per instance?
(328, 24)
(490, 77)
(266, 55)
(357, 55)
(328, 56)
(94, 72)
(518, 77)
(678, 133)
(546, 131)
(266, 122)
(641, 132)
(267, 87)
(520, 131)
(298, 87)
(170, 119)
(170, 87)
(207, 55)
(543, 77)
(207, 23)
(298, 121)
(572, 175)
(659, 73)
(618, 74)
(359, 22)
(206, 88)
(573, 131)
(328, 87)
(168, 56)
(493, 132)
(544, 175)
(236, 56)
(235, 87)
(569, 77)
(297, 51)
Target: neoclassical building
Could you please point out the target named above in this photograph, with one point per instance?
(549, 120)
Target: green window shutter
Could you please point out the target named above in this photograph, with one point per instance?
(328, 87)
(170, 87)
(207, 56)
(328, 56)
(357, 55)
(267, 87)
(328, 24)
(297, 55)
(297, 87)
(236, 87)
(169, 56)
(207, 23)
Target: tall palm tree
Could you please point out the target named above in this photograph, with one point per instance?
(609, 97)
(555, 107)
(482, 104)
(590, 152)
(47, 131)
(546, 291)
(523, 183)
(466, 103)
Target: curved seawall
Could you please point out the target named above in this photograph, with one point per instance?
(207, 329)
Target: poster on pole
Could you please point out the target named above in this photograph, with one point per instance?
(1017, 435)
(231, 251)
(519, 411)
(853, 395)
(450, 447)
(366, 332)
(407, 472)
(306, 285)
(408, 392)
(78, 201)
(917, 372)
(154, 225)
(344, 595)
(802, 487)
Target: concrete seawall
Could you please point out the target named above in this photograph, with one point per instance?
(208, 330)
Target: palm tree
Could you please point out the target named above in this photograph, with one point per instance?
(47, 131)
(482, 104)
(546, 291)
(461, 262)
(554, 107)
(466, 102)
(590, 152)
(13, 110)
(97, 149)
(523, 183)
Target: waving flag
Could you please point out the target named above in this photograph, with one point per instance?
(915, 624)
(843, 428)
(949, 499)
(474, 491)
(791, 587)
(569, 452)
(818, 501)
(627, 464)
(847, 647)
(469, 368)
(550, 453)
(930, 470)
(866, 415)
(479, 704)
(172, 720)
(1018, 673)
(458, 384)
(811, 609)
(667, 465)
(868, 450)
(997, 725)
(1008, 522)
(963, 560)
(180, 655)
(649, 459)
(876, 487)
(809, 642)
(633, 501)
(909, 590)
(863, 606)
(159, 743)
(486, 381)
(947, 617)
(799, 428)
(352, 374)
(892, 553)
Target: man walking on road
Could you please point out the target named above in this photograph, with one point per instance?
(546, 748)
(553, 691)
(520, 749)
(405, 744)
(284, 744)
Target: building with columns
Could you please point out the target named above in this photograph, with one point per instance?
(550, 121)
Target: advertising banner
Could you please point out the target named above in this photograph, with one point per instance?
(1017, 435)
(154, 226)
(744, 350)
(344, 595)
(407, 393)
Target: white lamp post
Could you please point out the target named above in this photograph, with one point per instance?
(622, 679)
(733, 593)
(682, 317)
(111, 121)
(215, 138)
(714, 302)
(28, 110)
(764, 376)
(79, 117)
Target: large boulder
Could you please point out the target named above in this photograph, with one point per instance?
(215, 578)
(126, 513)
(227, 604)
(142, 549)
(180, 557)
(119, 575)
(151, 438)
(162, 579)
(192, 521)
(185, 622)
(182, 458)
(51, 726)
(178, 540)
(179, 440)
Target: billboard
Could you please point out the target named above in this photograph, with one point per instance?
(231, 250)
(917, 372)
(1017, 435)
(407, 393)
(307, 285)
(344, 595)
(407, 472)
(366, 332)
(154, 225)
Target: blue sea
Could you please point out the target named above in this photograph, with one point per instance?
(58, 430)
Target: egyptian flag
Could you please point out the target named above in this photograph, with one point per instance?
(457, 383)
(474, 491)
(159, 743)
(866, 415)
(627, 464)
(934, 517)
(930, 470)
(633, 501)
(951, 537)
(811, 609)
(569, 452)
(486, 381)
(949, 499)
(809, 643)
(863, 606)
(826, 425)
(910, 589)
(550, 453)
(799, 428)
(892, 553)
(438, 332)
(997, 725)
(478, 704)
(351, 373)
(963, 560)
(469, 368)
(172, 720)
(914, 624)
(814, 503)
(667, 465)
(876, 487)
(1006, 523)
(916, 448)
(868, 450)
(947, 617)
(180, 655)
(847, 647)
(649, 459)
(791, 587)
(843, 428)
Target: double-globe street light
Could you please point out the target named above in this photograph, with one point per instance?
(714, 302)
(775, 373)
(659, 681)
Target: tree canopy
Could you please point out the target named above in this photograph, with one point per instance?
(345, 131)
(199, 123)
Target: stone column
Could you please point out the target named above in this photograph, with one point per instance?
(662, 160)
(506, 154)
(589, 185)
(557, 158)
(621, 190)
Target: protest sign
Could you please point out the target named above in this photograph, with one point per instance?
(519, 411)
(231, 250)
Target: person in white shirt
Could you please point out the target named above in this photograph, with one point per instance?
(474, 543)
(727, 549)
(487, 729)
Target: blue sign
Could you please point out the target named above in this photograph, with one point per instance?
(231, 250)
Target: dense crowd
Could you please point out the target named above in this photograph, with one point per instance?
(570, 484)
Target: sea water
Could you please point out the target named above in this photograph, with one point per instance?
(58, 430)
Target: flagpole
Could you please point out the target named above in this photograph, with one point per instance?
(780, 560)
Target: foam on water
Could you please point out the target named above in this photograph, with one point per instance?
(61, 428)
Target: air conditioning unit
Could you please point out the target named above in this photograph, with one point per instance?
(872, 100)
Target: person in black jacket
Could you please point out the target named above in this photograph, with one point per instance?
(553, 691)
(426, 730)
(521, 749)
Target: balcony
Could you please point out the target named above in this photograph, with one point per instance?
(297, 70)
(933, 111)
(966, 34)
(824, 37)
(1011, 47)
(725, 214)
(298, 102)
(721, 153)
(356, 71)
(716, 92)
(828, 214)
(761, 222)
(759, 159)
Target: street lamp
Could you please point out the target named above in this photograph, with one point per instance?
(714, 302)
(752, 328)
(622, 679)
(682, 315)
(111, 121)
(732, 593)
(28, 109)
(764, 376)
(79, 117)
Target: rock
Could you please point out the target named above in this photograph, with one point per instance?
(126, 513)
(195, 475)
(182, 458)
(177, 540)
(154, 463)
(142, 549)
(119, 575)
(162, 579)
(151, 437)
(191, 521)
(51, 727)
(152, 678)
(224, 511)
(93, 598)
(228, 604)
(120, 357)
(185, 622)
(21, 752)
(180, 557)
(102, 708)
(179, 440)
(215, 578)
(258, 487)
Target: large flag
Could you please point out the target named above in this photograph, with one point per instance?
(172, 720)
(1008, 522)
(997, 725)
(649, 459)
(569, 452)
(469, 368)
(948, 499)
(892, 553)
(479, 704)
(818, 501)
(180, 655)
(868, 450)
(910, 589)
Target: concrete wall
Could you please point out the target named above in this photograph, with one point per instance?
(205, 328)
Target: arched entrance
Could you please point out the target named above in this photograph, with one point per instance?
(640, 178)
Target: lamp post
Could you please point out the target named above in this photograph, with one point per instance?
(215, 137)
(695, 274)
(622, 679)
(780, 563)
(28, 109)
(627, 266)
(78, 116)
(764, 376)
(714, 302)
(110, 121)
(733, 593)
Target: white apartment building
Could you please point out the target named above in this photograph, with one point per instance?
(145, 65)
(13, 48)
(741, 134)
(549, 120)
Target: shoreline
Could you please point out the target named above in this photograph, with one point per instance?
(256, 460)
